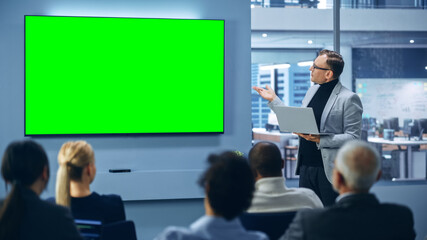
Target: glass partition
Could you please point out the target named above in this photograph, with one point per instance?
(282, 60)
(389, 73)
(385, 64)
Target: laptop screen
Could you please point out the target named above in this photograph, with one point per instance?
(89, 229)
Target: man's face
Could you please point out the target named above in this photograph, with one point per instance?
(319, 74)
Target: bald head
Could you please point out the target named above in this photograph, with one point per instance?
(359, 164)
(265, 160)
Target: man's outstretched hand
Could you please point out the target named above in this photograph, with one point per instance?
(267, 93)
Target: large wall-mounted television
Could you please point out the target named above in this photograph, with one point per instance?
(105, 75)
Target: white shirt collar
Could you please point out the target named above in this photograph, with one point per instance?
(270, 184)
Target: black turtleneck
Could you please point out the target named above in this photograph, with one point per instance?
(308, 152)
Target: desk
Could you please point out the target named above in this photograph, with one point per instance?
(399, 142)
(272, 136)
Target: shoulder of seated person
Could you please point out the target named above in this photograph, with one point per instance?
(173, 232)
(259, 235)
(51, 200)
(112, 197)
(52, 207)
(111, 200)
(397, 208)
(303, 190)
(310, 213)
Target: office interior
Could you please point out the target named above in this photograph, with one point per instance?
(161, 190)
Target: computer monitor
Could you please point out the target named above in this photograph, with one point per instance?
(392, 123)
(422, 126)
(415, 130)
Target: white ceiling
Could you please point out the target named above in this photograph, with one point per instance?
(322, 39)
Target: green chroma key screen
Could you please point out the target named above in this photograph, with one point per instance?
(100, 75)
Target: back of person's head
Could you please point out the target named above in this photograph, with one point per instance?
(266, 160)
(73, 157)
(229, 184)
(359, 164)
(23, 164)
(334, 61)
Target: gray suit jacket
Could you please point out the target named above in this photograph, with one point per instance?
(342, 116)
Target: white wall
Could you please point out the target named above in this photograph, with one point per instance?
(172, 162)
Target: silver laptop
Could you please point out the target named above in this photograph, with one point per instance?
(297, 119)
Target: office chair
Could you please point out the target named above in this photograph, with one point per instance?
(123, 230)
(364, 135)
(277, 3)
(309, 3)
(273, 224)
(407, 126)
(89, 229)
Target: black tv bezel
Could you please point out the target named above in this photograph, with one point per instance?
(126, 134)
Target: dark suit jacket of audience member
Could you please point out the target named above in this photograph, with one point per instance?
(357, 216)
(106, 208)
(44, 220)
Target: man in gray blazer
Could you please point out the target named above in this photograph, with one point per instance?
(337, 110)
(357, 214)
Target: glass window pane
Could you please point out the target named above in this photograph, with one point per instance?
(282, 60)
(389, 73)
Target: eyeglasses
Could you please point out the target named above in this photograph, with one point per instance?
(316, 67)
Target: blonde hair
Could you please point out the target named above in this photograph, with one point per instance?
(72, 158)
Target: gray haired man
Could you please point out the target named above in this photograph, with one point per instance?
(357, 213)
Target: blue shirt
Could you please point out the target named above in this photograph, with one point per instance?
(210, 227)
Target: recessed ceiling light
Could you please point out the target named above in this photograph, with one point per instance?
(411, 41)
(264, 35)
(275, 66)
(252, 6)
(310, 42)
(426, 67)
(305, 63)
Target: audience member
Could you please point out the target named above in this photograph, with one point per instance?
(271, 193)
(357, 214)
(23, 214)
(229, 187)
(76, 172)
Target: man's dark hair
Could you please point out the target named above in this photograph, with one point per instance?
(229, 184)
(265, 157)
(334, 61)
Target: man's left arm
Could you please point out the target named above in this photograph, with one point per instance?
(352, 124)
